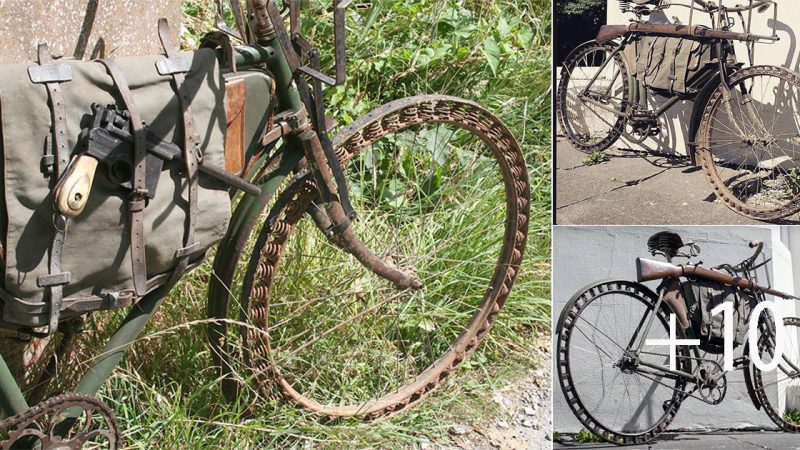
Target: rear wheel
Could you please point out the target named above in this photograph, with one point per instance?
(441, 189)
(602, 378)
(592, 116)
(748, 142)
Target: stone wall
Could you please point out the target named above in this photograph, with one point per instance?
(83, 29)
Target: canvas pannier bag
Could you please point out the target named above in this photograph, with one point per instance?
(702, 296)
(670, 64)
(47, 108)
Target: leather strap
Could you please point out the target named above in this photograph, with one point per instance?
(191, 152)
(218, 39)
(57, 163)
(137, 199)
(54, 163)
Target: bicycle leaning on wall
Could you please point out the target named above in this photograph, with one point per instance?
(744, 129)
(627, 391)
(355, 273)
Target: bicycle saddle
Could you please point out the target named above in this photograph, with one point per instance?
(665, 242)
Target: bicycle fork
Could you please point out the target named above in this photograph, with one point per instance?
(336, 224)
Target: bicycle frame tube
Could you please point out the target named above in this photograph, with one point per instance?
(605, 64)
(12, 401)
(663, 370)
(650, 321)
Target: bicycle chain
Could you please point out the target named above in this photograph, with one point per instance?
(18, 427)
(697, 385)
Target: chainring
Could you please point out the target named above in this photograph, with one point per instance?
(38, 427)
(711, 382)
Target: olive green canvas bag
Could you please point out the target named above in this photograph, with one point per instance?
(670, 64)
(702, 296)
(96, 269)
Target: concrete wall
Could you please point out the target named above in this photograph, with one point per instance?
(83, 29)
(583, 255)
(783, 53)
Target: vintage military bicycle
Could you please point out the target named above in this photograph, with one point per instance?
(743, 129)
(357, 272)
(625, 390)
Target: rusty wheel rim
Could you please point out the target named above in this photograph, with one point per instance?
(277, 261)
(749, 145)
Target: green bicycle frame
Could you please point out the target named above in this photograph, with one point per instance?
(271, 53)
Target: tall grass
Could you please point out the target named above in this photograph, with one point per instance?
(496, 52)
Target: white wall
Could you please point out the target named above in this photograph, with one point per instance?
(675, 124)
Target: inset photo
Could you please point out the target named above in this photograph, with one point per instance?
(676, 112)
(676, 337)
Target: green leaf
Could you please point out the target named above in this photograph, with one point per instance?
(503, 27)
(492, 52)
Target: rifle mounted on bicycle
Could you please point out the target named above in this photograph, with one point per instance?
(742, 129)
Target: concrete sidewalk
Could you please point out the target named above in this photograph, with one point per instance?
(636, 188)
(708, 441)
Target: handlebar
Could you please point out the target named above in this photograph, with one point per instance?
(708, 6)
(750, 262)
(760, 5)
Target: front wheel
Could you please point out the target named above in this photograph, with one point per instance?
(600, 370)
(441, 189)
(748, 142)
(778, 390)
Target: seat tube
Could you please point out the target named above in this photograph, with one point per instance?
(650, 321)
(12, 402)
(602, 67)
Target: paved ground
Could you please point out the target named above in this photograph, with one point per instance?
(636, 188)
(524, 420)
(710, 441)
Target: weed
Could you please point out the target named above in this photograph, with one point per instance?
(587, 437)
(792, 416)
(596, 158)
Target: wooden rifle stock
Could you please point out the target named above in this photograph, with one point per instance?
(609, 32)
(649, 270)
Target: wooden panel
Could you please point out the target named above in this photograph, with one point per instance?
(236, 94)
